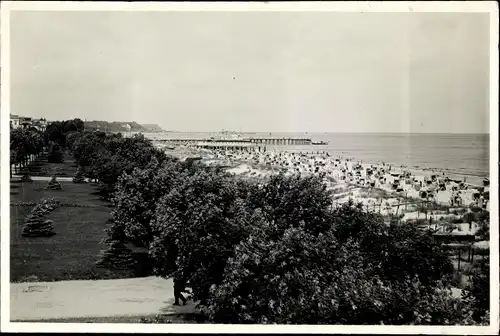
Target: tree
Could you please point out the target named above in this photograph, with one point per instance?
(71, 139)
(54, 133)
(74, 125)
(135, 198)
(84, 149)
(289, 201)
(196, 226)
(55, 154)
(394, 251)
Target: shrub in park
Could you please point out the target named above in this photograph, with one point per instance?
(54, 184)
(38, 227)
(117, 256)
(79, 178)
(35, 224)
(26, 178)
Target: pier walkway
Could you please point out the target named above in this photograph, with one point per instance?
(259, 141)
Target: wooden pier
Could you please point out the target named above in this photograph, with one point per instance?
(257, 141)
(281, 141)
(231, 145)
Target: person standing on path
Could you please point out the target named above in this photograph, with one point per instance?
(179, 287)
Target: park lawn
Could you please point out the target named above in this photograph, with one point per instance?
(72, 252)
(83, 193)
(69, 255)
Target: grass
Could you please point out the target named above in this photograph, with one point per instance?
(71, 193)
(70, 254)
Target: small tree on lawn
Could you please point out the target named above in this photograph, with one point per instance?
(116, 256)
(54, 184)
(79, 177)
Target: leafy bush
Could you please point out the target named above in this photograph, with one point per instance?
(334, 277)
(478, 293)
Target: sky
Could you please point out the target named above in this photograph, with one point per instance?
(255, 71)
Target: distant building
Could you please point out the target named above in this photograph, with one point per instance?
(15, 121)
(26, 122)
(40, 124)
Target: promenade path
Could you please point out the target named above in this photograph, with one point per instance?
(98, 298)
(45, 178)
(94, 298)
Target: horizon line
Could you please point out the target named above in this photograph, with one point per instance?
(327, 132)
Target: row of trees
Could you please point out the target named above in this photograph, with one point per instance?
(25, 145)
(105, 157)
(28, 143)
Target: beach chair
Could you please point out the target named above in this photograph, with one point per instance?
(486, 182)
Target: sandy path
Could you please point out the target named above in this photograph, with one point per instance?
(99, 298)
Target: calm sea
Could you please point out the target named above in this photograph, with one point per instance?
(456, 154)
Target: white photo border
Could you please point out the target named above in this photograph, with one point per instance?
(353, 6)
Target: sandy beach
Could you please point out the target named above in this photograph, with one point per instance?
(380, 187)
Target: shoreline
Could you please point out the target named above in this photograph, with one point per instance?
(474, 172)
(270, 162)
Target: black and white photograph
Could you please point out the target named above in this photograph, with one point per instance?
(282, 165)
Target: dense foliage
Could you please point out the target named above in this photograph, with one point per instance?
(196, 226)
(56, 131)
(478, 292)
(106, 157)
(278, 254)
(135, 199)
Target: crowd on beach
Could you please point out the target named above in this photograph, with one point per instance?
(398, 181)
